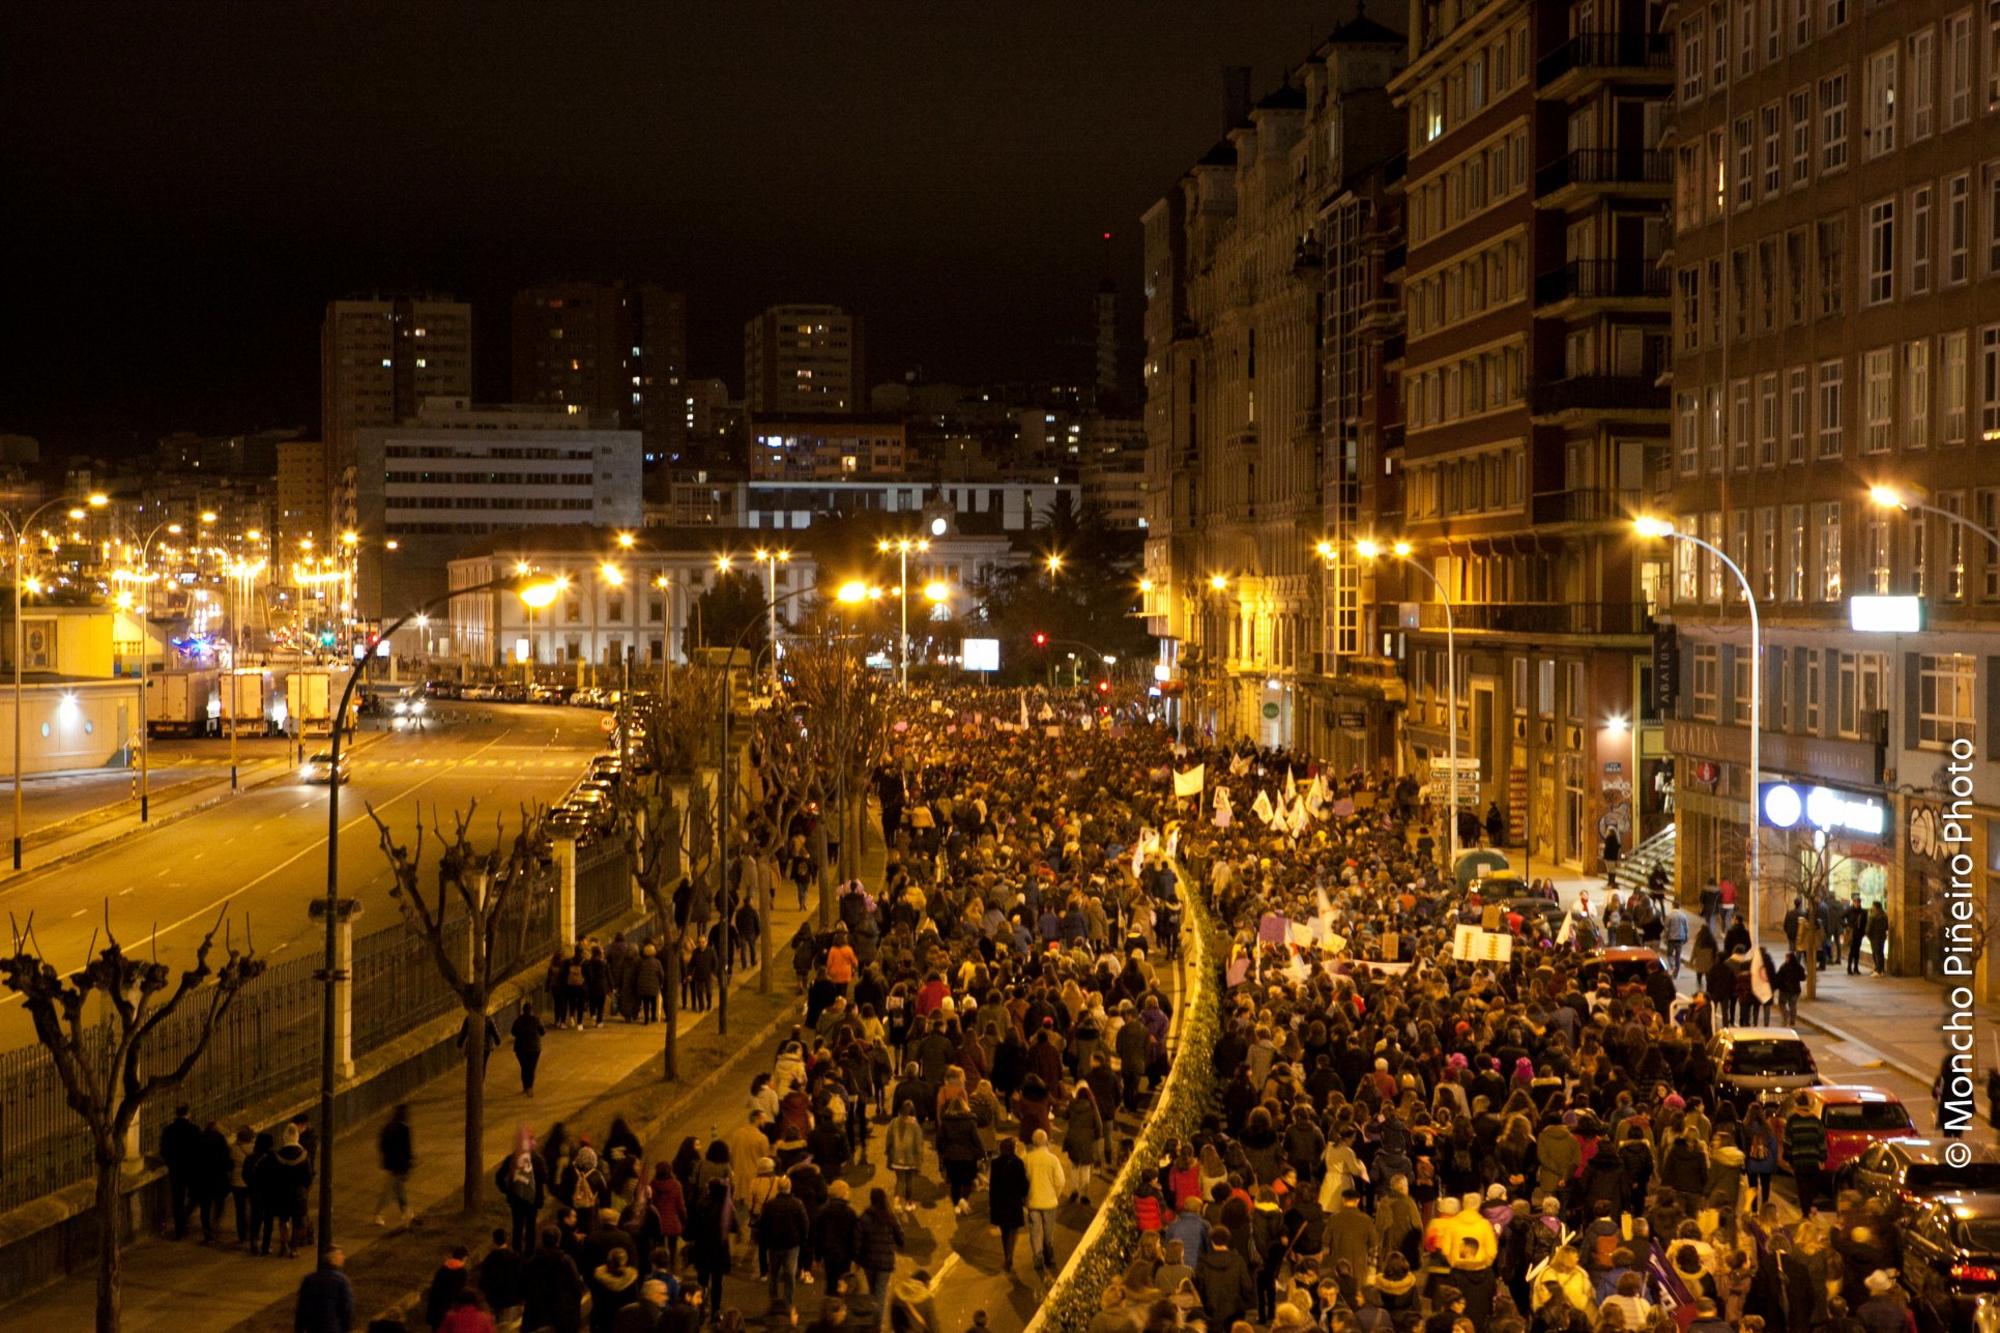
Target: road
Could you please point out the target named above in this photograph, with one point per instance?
(262, 854)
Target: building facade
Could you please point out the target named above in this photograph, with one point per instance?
(616, 349)
(1536, 338)
(824, 446)
(1835, 268)
(302, 494)
(803, 358)
(379, 360)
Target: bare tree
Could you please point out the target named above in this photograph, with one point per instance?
(782, 782)
(491, 892)
(1800, 867)
(846, 731)
(670, 835)
(102, 1061)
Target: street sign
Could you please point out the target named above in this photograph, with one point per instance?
(607, 723)
(1666, 669)
(1270, 712)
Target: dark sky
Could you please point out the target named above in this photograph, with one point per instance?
(183, 186)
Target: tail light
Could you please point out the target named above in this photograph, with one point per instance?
(1974, 1273)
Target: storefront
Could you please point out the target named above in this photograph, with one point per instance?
(1829, 840)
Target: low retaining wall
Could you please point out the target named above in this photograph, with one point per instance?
(1101, 1256)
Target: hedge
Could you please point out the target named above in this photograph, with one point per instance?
(1187, 1094)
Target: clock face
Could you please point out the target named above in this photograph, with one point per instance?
(938, 527)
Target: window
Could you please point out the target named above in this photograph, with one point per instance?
(1739, 293)
(1992, 192)
(1715, 302)
(1795, 276)
(1958, 68)
(1711, 532)
(1713, 425)
(1689, 282)
(1693, 63)
(1923, 83)
(1920, 554)
(1772, 23)
(1739, 687)
(1799, 105)
(1767, 553)
(1833, 13)
(1746, 37)
(1828, 526)
(1739, 426)
(1718, 56)
(1945, 684)
(1687, 581)
(1921, 240)
(1687, 436)
(1829, 409)
(1718, 166)
(1812, 692)
(1953, 388)
(1771, 133)
(1879, 135)
(1573, 689)
(1989, 384)
(1802, 11)
(1989, 518)
(1917, 393)
(1797, 414)
(1795, 553)
(1832, 246)
(1767, 420)
(1781, 688)
(1877, 537)
(1878, 392)
(1881, 286)
(1746, 162)
(1957, 229)
(1992, 54)
(1705, 682)
(1833, 122)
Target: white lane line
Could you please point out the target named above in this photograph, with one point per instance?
(122, 892)
(77, 913)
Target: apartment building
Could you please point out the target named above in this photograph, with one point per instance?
(803, 358)
(1537, 334)
(1836, 276)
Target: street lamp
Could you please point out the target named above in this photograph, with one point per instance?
(543, 592)
(146, 578)
(771, 560)
(1648, 526)
(1370, 550)
(902, 546)
(17, 531)
(1907, 499)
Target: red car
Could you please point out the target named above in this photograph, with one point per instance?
(1856, 1119)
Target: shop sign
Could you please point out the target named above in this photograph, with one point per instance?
(1785, 805)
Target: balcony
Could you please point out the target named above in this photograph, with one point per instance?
(1586, 506)
(1585, 282)
(1589, 58)
(1630, 397)
(1242, 443)
(1632, 172)
(1393, 348)
(1539, 617)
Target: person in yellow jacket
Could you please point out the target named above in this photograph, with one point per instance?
(1465, 1240)
(1564, 1280)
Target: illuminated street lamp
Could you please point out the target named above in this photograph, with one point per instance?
(902, 546)
(1651, 527)
(16, 531)
(771, 560)
(1909, 500)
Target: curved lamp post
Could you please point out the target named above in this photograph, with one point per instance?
(1647, 526)
(17, 531)
(532, 592)
(1909, 500)
(1369, 550)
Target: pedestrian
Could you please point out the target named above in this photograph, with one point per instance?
(1007, 1200)
(213, 1178)
(284, 1177)
(649, 979)
(523, 1182)
(446, 1284)
(1222, 1278)
(551, 1288)
(1496, 825)
(1046, 1176)
(1083, 1140)
(596, 984)
(527, 1033)
(1855, 923)
(468, 1314)
(783, 1229)
(904, 1145)
(1805, 1151)
(396, 1151)
(614, 1284)
(833, 1229)
(326, 1298)
(239, 1182)
(669, 1202)
(1878, 936)
(180, 1150)
(1674, 934)
(1613, 846)
(1787, 983)
(959, 1151)
(501, 1273)
(647, 1314)
(877, 1238)
(711, 1227)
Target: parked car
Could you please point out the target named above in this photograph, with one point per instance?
(1622, 965)
(480, 692)
(320, 771)
(1903, 1172)
(1767, 1063)
(1951, 1258)
(441, 689)
(1856, 1118)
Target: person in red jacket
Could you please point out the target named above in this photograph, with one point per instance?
(1147, 1206)
(670, 1204)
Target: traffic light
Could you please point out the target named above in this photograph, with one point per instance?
(1041, 639)
(1104, 687)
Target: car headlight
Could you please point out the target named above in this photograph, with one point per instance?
(306, 772)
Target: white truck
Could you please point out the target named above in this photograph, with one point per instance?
(311, 694)
(244, 694)
(177, 702)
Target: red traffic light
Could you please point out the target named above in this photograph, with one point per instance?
(1041, 639)
(1104, 687)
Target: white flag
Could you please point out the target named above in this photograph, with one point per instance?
(1190, 782)
(1262, 807)
(1291, 789)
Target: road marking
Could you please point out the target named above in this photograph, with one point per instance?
(122, 892)
(944, 1270)
(77, 913)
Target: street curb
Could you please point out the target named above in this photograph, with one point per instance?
(1839, 1034)
(412, 1298)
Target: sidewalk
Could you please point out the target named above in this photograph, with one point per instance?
(584, 1079)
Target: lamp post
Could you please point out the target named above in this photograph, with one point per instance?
(771, 560)
(146, 579)
(1906, 498)
(531, 594)
(902, 546)
(1368, 550)
(18, 531)
(1663, 528)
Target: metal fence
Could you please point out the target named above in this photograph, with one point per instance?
(269, 1039)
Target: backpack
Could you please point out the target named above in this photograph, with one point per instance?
(584, 1198)
(1760, 1147)
(575, 974)
(521, 1186)
(1542, 1242)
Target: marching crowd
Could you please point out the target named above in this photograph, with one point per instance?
(1399, 1139)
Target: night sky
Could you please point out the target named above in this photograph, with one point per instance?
(186, 185)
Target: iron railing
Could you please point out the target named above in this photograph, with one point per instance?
(1605, 166)
(1606, 50)
(1601, 279)
(1602, 393)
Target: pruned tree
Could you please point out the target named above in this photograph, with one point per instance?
(101, 1059)
(846, 734)
(491, 891)
(1795, 866)
(781, 782)
(668, 822)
